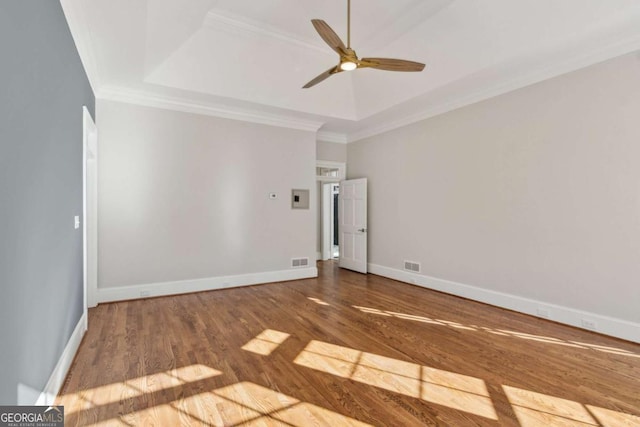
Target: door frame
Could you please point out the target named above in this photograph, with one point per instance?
(325, 207)
(328, 220)
(89, 209)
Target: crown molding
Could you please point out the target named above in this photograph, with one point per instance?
(335, 137)
(544, 73)
(235, 24)
(129, 96)
(76, 16)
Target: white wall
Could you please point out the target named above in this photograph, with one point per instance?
(533, 195)
(331, 151)
(185, 196)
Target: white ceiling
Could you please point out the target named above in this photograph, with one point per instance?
(249, 59)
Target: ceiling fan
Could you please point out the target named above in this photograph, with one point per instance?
(348, 59)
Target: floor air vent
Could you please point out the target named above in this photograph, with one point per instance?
(299, 262)
(412, 266)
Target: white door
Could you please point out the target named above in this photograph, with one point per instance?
(352, 224)
(90, 229)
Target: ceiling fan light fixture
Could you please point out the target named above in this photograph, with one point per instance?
(348, 66)
(348, 59)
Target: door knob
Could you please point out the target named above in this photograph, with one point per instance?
(362, 230)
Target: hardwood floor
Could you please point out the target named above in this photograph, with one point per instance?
(343, 349)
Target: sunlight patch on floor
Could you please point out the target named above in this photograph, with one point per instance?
(111, 423)
(242, 403)
(318, 301)
(449, 389)
(500, 332)
(536, 409)
(134, 387)
(609, 418)
(266, 342)
(246, 404)
(272, 405)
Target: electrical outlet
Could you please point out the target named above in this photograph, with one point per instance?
(544, 313)
(589, 324)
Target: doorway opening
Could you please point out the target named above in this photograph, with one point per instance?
(329, 175)
(335, 236)
(329, 223)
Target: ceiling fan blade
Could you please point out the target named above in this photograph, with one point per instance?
(323, 76)
(329, 36)
(390, 64)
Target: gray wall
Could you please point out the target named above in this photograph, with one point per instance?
(534, 193)
(43, 87)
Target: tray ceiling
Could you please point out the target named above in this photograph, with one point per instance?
(251, 58)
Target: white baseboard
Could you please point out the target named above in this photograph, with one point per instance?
(605, 325)
(56, 380)
(198, 285)
(318, 256)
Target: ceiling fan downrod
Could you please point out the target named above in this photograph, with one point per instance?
(349, 24)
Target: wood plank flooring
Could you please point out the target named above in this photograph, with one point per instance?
(343, 349)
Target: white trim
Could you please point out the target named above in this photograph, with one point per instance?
(318, 256)
(85, 148)
(56, 380)
(335, 137)
(121, 293)
(536, 76)
(341, 166)
(129, 96)
(325, 208)
(605, 325)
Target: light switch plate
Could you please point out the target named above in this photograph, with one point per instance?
(76, 222)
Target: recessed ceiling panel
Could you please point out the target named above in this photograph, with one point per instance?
(263, 52)
(293, 16)
(264, 70)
